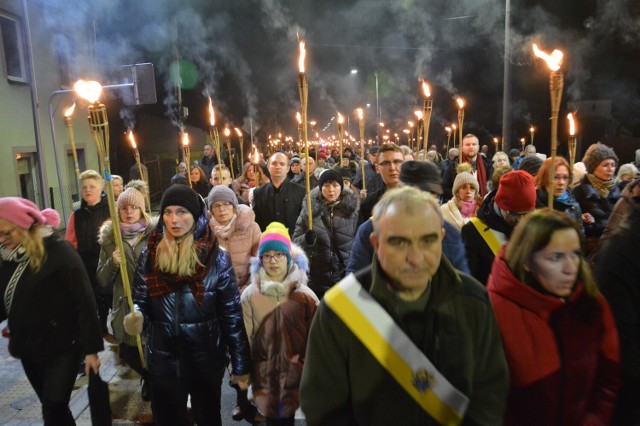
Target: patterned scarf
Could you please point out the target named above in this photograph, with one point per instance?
(602, 186)
(222, 232)
(161, 283)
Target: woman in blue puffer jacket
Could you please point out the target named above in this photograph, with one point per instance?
(188, 299)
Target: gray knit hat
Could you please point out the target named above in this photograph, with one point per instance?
(463, 178)
(596, 154)
(222, 193)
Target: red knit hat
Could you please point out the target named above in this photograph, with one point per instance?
(516, 192)
(24, 213)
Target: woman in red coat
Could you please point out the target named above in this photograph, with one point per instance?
(558, 333)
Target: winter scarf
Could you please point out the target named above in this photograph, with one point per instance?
(602, 186)
(161, 283)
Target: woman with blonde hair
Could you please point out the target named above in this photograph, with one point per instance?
(48, 301)
(186, 292)
(558, 331)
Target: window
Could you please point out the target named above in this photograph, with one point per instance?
(12, 44)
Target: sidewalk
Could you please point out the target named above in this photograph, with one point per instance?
(19, 405)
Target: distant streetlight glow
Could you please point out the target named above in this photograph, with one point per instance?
(354, 71)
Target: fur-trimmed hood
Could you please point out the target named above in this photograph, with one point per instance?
(105, 234)
(348, 202)
(244, 218)
(296, 276)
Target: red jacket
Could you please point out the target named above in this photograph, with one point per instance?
(563, 369)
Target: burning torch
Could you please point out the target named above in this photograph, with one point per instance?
(460, 103)
(99, 125)
(303, 89)
(340, 130)
(186, 154)
(72, 140)
(572, 140)
(227, 137)
(213, 132)
(137, 155)
(241, 142)
(556, 83)
(426, 113)
(360, 113)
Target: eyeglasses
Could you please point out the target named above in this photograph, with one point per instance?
(387, 163)
(271, 257)
(221, 206)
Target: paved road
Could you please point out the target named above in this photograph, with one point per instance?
(19, 405)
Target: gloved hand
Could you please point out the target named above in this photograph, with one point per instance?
(310, 237)
(133, 323)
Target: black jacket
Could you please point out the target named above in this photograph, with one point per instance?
(335, 225)
(301, 179)
(87, 221)
(187, 340)
(278, 205)
(592, 202)
(53, 311)
(366, 208)
(479, 254)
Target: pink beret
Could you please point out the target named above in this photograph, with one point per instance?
(24, 213)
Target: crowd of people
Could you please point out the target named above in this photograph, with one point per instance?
(459, 288)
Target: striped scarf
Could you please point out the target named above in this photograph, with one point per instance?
(161, 283)
(602, 186)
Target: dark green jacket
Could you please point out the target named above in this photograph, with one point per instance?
(342, 383)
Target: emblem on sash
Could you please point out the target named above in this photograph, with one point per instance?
(422, 380)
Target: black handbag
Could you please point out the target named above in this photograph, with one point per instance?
(99, 400)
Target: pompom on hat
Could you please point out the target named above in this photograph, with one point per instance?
(516, 192)
(130, 197)
(596, 154)
(275, 237)
(25, 214)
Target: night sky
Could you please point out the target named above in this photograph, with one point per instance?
(244, 54)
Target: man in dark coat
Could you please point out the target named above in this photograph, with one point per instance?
(498, 214)
(372, 178)
(482, 167)
(390, 158)
(279, 200)
(445, 316)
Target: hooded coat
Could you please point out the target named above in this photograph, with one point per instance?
(188, 340)
(335, 225)
(277, 317)
(241, 241)
(108, 274)
(563, 367)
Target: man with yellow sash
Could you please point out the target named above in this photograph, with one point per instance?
(408, 340)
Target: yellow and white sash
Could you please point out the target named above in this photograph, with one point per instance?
(391, 347)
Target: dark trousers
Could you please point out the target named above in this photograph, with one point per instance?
(169, 399)
(53, 381)
(131, 356)
(287, 421)
(103, 301)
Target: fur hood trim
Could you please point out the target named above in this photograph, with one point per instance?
(296, 276)
(105, 234)
(348, 202)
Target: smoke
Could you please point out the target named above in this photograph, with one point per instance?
(244, 54)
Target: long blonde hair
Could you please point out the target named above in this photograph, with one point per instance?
(33, 243)
(177, 256)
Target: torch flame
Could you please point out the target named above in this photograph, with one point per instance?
(425, 89)
(340, 119)
(255, 155)
(448, 129)
(299, 118)
(460, 102)
(406, 131)
(238, 132)
(69, 111)
(360, 113)
(212, 115)
(454, 126)
(132, 139)
(572, 125)
(303, 53)
(185, 139)
(227, 132)
(495, 140)
(89, 90)
(531, 129)
(553, 61)
(410, 123)
(418, 114)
